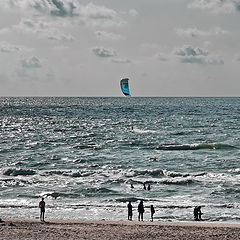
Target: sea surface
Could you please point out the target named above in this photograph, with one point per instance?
(83, 154)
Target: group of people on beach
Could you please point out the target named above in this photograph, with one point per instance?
(197, 213)
(140, 211)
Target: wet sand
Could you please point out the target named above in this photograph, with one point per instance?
(116, 230)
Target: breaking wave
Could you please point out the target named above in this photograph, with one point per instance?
(17, 172)
(181, 147)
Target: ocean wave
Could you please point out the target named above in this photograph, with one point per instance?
(198, 146)
(127, 199)
(88, 192)
(144, 131)
(177, 181)
(10, 182)
(175, 174)
(88, 146)
(68, 173)
(236, 170)
(154, 173)
(17, 172)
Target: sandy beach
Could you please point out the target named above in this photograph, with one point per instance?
(57, 229)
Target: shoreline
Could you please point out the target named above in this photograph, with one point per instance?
(13, 228)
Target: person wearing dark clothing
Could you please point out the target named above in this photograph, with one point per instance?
(42, 209)
(144, 186)
(149, 187)
(132, 185)
(140, 211)
(197, 213)
(130, 213)
(152, 212)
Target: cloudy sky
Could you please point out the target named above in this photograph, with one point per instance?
(84, 47)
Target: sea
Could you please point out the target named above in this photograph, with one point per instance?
(82, 154)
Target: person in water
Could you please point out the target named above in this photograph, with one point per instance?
(42, 209)
(152, 210)
(149, 187)
(144, 186)
(140, 211)
(197, 213)
(132, 186)
(130, 212)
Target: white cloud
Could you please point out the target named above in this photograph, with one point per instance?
(42, 28)
(95, 15)
(194, 32)
(107, 35)
(216, 6)
(189, 54)
(104, 52)
(89, 14)
(32, 62)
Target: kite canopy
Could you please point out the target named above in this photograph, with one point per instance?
(125, 87)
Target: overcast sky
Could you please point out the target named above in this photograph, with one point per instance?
(84, 48)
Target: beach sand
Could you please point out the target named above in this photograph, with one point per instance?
(116, 230)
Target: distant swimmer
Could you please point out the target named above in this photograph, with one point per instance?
(154, 159)
(148, 187)
(130, 213)
(144, 186)
(42, 209)
(132, 186)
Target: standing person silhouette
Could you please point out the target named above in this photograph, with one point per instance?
(130, 213)
(152, 212)
(42, 209)
(140, 211)
(197, 213)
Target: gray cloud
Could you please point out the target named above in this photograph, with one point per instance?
(133, 12)
(237, 58)
(162, 57)
(104, 52)
(194, 32)
(191, 51)
(121, 60)
(216, 6)
(62, 9)
(53, 7)
(189, 54)
(3, 78)
(32, 62)
(107, 35)
(9, 48)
